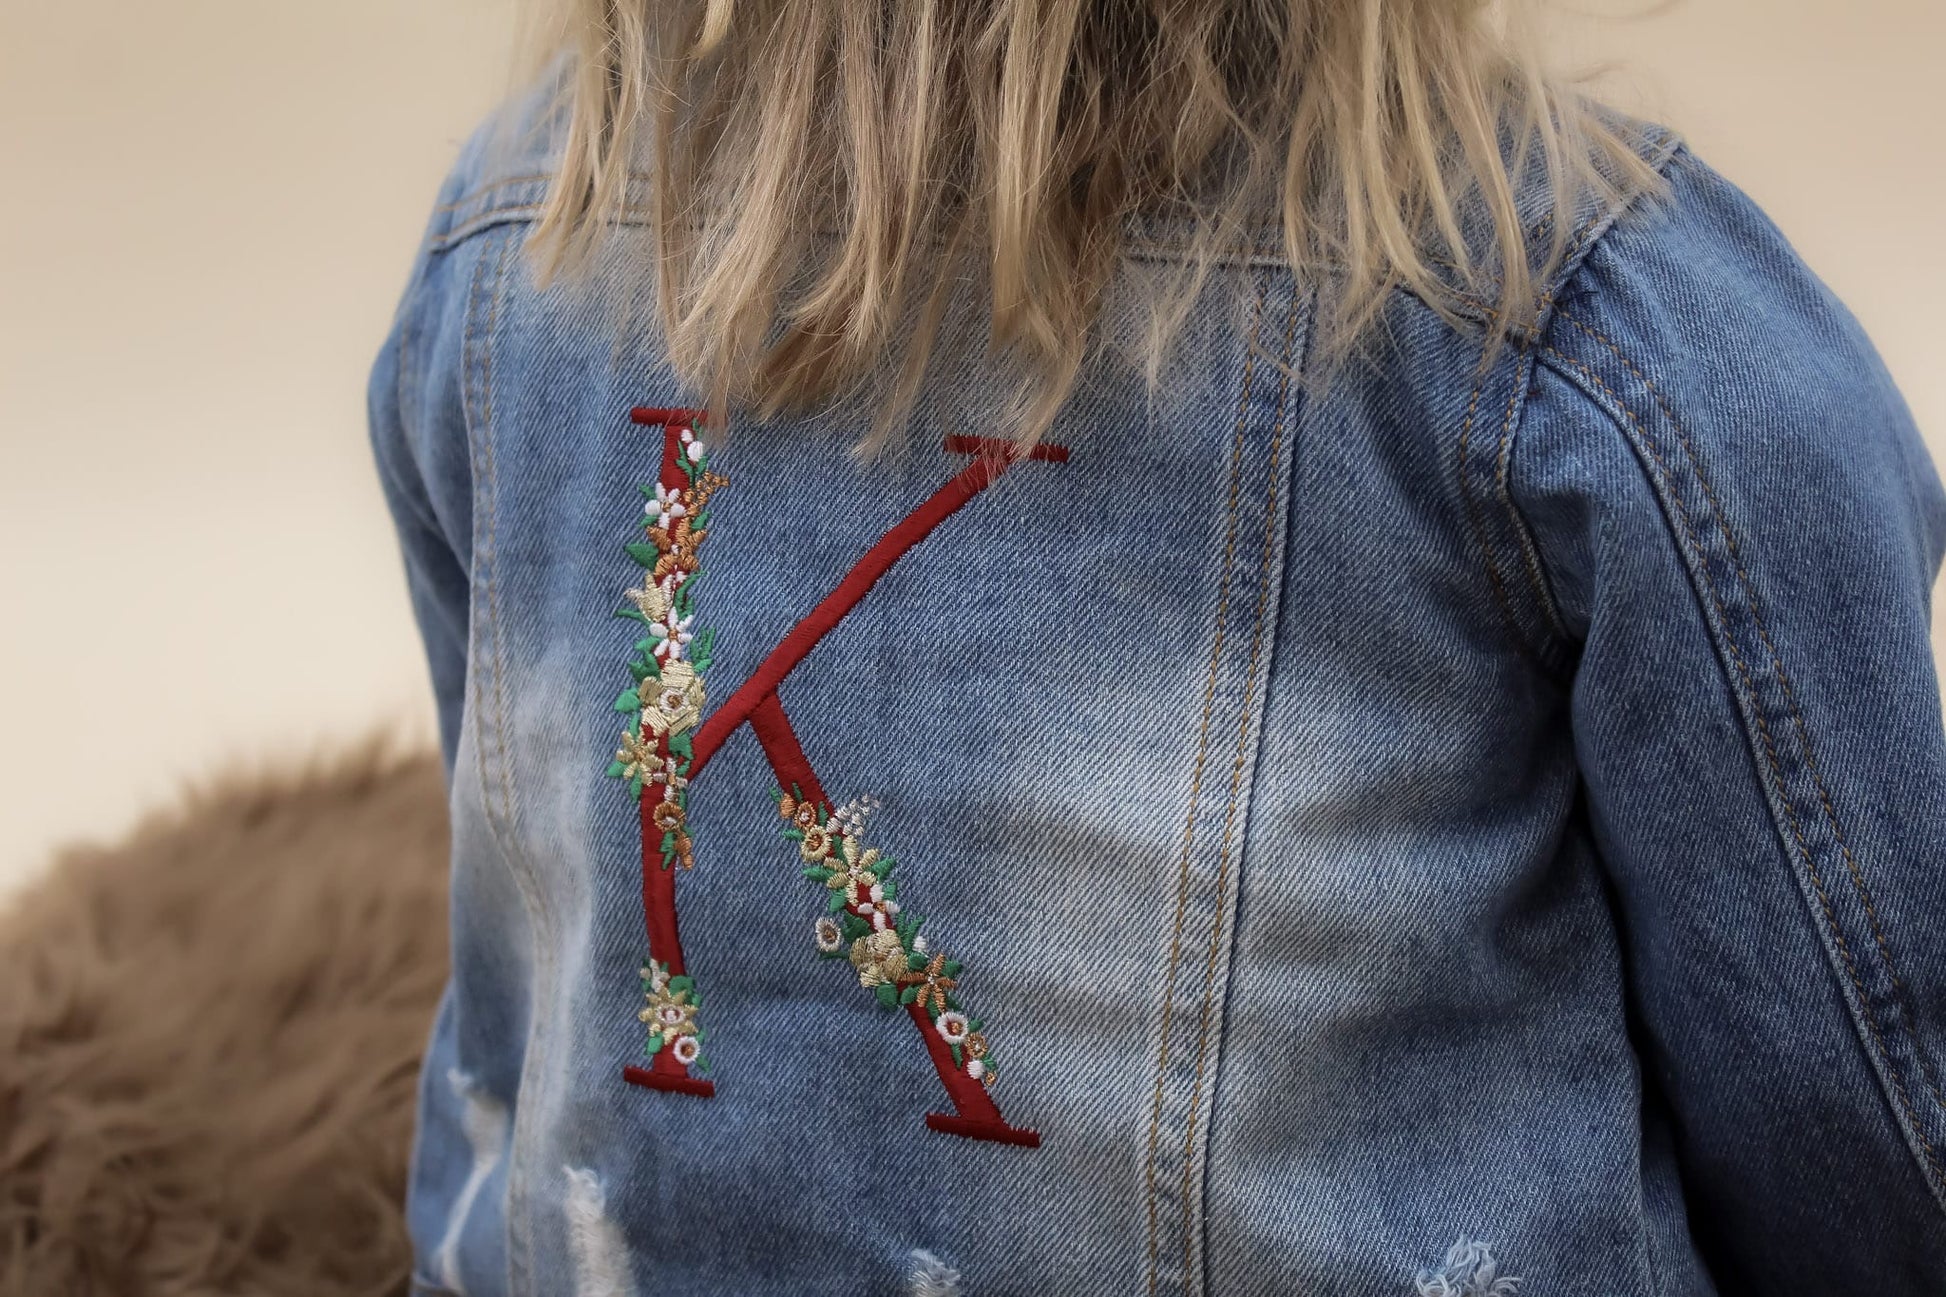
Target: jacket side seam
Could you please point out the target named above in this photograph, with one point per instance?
(1778, 793)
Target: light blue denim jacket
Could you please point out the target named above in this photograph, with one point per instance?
(1392, 834)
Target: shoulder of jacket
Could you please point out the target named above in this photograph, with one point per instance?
(1689, 304)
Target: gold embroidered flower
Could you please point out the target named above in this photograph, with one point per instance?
(878, 957)
(815, 846)
(932, 994)
(651, 600)
(638, 756)
(976, 1044)
(671, 1015)
(851, 869)
(673, 702)
(667, 816)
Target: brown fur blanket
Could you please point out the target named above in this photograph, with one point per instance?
(209, 1038)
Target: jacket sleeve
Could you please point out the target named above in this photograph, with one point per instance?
(1740, 529)
(419, 433)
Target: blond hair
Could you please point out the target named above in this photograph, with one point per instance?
(827, 173)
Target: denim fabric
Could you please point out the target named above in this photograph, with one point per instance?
(1476, 816)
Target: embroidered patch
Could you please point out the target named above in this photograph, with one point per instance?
(891, 956)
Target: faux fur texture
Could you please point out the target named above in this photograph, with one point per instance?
(209, 1038)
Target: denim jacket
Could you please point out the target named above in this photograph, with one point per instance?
(1473, 818)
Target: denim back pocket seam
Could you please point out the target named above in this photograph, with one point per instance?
(1670, 482)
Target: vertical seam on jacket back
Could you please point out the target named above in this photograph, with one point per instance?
(502, 827)
(1502, 477)
(1196, 777)
(1217, 927)
(1476, 518)
(1855, 870)
(1805, 853)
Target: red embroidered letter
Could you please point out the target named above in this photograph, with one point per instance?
(863, 923)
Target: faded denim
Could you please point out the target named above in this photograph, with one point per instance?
(1442, 803)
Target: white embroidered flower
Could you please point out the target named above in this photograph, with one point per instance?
(951, 1026)
(686, 1049)
(831, 937)
(674, 635)
(666, 507)
(976, 1069)
(850, 818)
(881, 913)
(920, 946)
(692, 445)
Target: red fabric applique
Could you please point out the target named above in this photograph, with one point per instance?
(952, 1042)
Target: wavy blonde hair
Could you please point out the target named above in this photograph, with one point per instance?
(827, 174)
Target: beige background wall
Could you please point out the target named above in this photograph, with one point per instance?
(210, 206)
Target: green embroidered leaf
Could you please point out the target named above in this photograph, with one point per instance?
(956, 1056)
(682, 744)
(616, 769)
(655, 1043)
(952, 967)
(702, 1062)
(702, 664)
(891, 891)
(631, 614)
(669, 842)
(683, 983)
(908, 995)
(952, 1001)
(887, 997)
(705, 643)
(644, 553)
(974, 1024)
(915, 962)
(628, 701)
(635, 786)
(855, 928)
(837, 903)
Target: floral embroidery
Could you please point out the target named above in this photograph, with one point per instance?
(667, 700)
(670, 1015)
(664, 705)
(864, 926)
